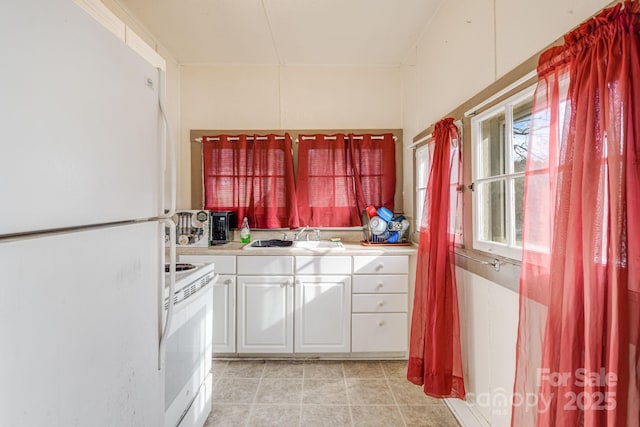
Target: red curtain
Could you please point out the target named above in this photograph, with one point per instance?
(577, 353)
(434, 354)
(252, 175)
(338, 176)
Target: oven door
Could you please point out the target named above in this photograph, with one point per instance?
(188, 356)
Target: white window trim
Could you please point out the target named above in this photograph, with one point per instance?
(509, 250)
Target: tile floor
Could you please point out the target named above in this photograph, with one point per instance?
(320, 393)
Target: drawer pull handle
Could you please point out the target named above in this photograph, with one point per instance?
(379, 285)
(380, 322)
(380, 266)
(380, 303)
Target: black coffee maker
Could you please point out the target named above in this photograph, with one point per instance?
(221, 224)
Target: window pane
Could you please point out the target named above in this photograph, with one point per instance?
(493, 211)
(492, 158)
(518, 200)
(521, 128)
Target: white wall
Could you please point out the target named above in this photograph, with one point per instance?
(285, 97)
(467, 46)
(488, 323)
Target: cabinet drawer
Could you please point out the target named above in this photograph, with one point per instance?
(379, 332)
(225, 264)
(372, 284)
(379, 303)
(265, 265)
(381, 264)
(323, 265)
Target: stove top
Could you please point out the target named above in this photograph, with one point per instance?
(188, 273)
(189, 279)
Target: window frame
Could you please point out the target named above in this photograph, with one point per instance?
(510, 249)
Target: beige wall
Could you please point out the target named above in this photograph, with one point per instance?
(285, 97)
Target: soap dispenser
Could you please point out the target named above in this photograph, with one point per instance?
(245, 231)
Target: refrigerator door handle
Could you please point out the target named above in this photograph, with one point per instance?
(169, 147)
(164, 329)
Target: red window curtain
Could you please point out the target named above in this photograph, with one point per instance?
(252, 175)
(374, 169)
(435, 359)
(339, 175)
(578, 360)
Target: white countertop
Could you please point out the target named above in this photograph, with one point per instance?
(350, 248)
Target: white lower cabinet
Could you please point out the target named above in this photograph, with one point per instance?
(224, 299)
(224, 315)
(380, 304)
(323, 304)
(265, 314)
(309, 304)
(379, 332)
(322, 314)
(265, 304)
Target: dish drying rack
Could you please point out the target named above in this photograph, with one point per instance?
(373, 239)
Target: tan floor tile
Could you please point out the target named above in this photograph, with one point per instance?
(322, 369)
(277, 390)
(407, 393)
(228, 415)
(235, 390)
(376, 416)
(244, 369)
(369, 392)
(325, 416)
(275, 416)
(325, 392)
(363, 369)
(283, 369)
(428, 416)
(218, 367)
(396, 369)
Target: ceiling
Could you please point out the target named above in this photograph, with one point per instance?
(286, 32)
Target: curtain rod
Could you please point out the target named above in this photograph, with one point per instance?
(495, 263)
(520, 81)
(395, 138)
(236, 138)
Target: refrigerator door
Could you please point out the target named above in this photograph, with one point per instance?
(80, 123)
(79, 328)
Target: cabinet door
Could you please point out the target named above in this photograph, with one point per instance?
(323, 314)
(265, 314)
(224, 315)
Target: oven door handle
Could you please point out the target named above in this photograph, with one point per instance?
(164, 331)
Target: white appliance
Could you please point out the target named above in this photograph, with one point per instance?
(82, 167)
(188, 386)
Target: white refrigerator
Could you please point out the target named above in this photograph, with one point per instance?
(82, 190)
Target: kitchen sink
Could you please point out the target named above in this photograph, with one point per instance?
(316, 245)
(272, 243)
(311, 245)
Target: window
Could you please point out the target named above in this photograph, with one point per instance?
(340, 175)
(424, 156)
(500, 149)
(252, 175)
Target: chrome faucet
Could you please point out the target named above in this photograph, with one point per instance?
(296, 236)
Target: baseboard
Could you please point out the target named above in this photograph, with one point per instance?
(465, 414)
